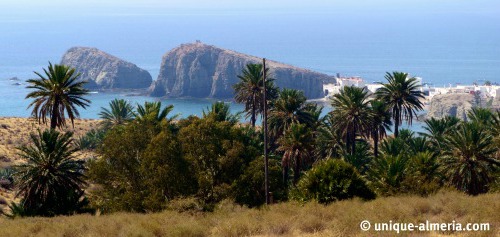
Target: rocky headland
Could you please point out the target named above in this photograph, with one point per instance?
(204, 71)
(105, 71)
(457, 105)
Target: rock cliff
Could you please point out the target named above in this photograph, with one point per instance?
(456, 105)
(204, 71)
(104, 71)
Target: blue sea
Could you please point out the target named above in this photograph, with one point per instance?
(441, 48)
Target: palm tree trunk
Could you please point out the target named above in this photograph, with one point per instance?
(348, 140)
(353, 142)
(396, 122)
(285, 174)
(296, 171)
(55, 114)
(252, 119)
(375, 143)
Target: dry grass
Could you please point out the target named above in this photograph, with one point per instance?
(15, 132)
(285, 219)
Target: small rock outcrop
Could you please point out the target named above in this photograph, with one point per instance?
(105, 71)
(204, 71)
(455, 105)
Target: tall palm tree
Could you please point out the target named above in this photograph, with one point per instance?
(51, 180)
(56, 93)
(153, 112)
(120, 112)
(469, 158)
(403, 96)
(290, 108)
(380, 122)
(220, 111)
(351, 112)
(250, 88)
(297, 146)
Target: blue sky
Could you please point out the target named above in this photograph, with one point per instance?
(147, 6)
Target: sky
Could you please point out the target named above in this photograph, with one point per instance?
(13, 8)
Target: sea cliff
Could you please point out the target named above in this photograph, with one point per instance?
(204, 71)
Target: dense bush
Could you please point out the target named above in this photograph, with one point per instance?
(219, 153)
(249, 189)
(332, 180)
(140, 170)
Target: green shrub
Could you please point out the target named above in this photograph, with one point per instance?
(140, 170)
(218, 153)
(7, 178)
(332, 180)
(249, 189)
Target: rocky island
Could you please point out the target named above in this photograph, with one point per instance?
(105, 71)
(204, 71)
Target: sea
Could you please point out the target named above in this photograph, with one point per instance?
(442, 48)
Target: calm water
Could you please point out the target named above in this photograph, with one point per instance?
(457, 48)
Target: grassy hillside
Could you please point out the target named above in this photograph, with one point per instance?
(285, 219)
(15, 132)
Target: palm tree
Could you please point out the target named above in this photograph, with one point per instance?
(351, 112)
(290, 108)
(388, 172)
(51, 180)
(481, 116)
(402, 96)
(380, 122)
(250, 88)
(120, 112)
(153, 112)
(328, 139)
(220, 111)
(57, 92)
(469, 158)
(297, 145)
(436, 129)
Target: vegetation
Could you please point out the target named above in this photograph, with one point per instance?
(120, 112)
(337, 219)
(91, 140)
(332, 180)
(138, 178)
(249, 90)
(468, 161)
(57, 93)
(402, 96)
(148, 161)
(352, 114)
(7, 178)
(51, 182)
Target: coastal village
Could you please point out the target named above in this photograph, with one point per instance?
(483, 92)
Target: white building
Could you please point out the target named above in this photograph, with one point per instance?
(351, 81)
